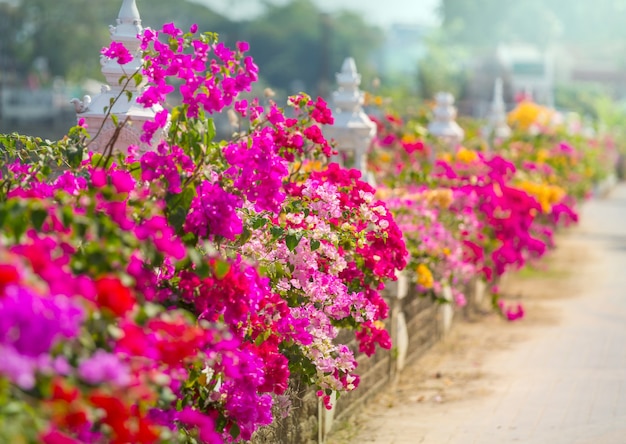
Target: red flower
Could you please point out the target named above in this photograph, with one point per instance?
(126, 422)
(8, 275)
(56, 437)
(176, 341)
(68, 413)
(112, 294)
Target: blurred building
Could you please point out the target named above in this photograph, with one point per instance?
(531, 71)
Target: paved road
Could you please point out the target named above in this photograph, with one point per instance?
(564, 384)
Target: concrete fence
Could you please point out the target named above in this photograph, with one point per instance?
(416, 323)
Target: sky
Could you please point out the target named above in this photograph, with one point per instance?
(379, 12)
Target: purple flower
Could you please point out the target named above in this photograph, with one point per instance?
(165, 163)
(19, 369)
(104, 367)
(30, 325)
(163, 236)
(258, 171)
(204, 424)
(214, 213)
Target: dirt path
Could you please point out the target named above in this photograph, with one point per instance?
(558, 376)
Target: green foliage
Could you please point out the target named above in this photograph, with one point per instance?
(443, 69)
(296, 45)
(293, 43)
(583, 100)
(41, 29)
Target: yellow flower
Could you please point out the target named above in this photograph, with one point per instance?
(409, 138)
(446, 157)
(542, 155)
(466, 156)
(384, 157)
(424, 276)
(441, 198)
(547, 195)
(528, 113)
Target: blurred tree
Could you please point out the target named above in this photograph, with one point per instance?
(69, 34)
(154, 13)
(295, 45)
(442, 69)
(10, 27)
(474, 22)
(299, 48)
(352, 37)
(588, 100)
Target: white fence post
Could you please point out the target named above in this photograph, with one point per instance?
(353, 129)
(94, 110)
(497, 126)
(444, 126)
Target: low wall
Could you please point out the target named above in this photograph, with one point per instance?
(416, 323)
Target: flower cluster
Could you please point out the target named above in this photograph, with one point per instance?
(172, 296)
(466, 212)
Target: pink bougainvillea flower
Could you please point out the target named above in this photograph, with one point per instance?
(117, 51)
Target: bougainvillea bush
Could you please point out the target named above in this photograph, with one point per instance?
(435, 224)
(171, 296)
(556, 152)
(515, 195)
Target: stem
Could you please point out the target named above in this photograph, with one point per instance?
(110, 108)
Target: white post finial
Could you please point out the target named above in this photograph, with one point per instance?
(126, 32)
(496, 120)
(353, 129)
(348, 68)
(444, 126)
(129, 13)
(95, 110)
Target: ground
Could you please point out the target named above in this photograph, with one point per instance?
(471, 376)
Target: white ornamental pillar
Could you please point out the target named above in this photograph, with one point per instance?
(353, 129)
(496, 120)
(94, 110)
(444, 127)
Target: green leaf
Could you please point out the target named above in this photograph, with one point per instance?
(114, 119)
(189, 239)
(210, 127)
(74, 155)
(245, 236)
(37, 217)
(95, 159)
(277, 232)
(234, 430)
(203, 270)
(315, 244)
(178, 207)
(138, 78)
(292, 241)
(259, 223)
(221, 269)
